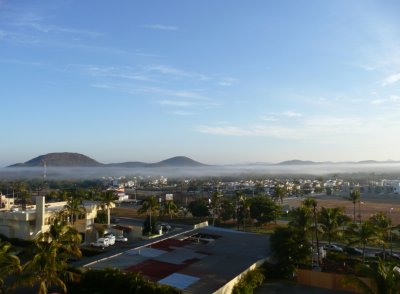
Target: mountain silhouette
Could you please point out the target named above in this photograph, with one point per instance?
(68, 159)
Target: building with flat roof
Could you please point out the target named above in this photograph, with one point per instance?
(205, 260)
(27, 224)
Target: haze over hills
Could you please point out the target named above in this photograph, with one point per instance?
(309, 162)
(61, 159)
(68, 159)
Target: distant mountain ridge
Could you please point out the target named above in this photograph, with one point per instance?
(68, 159)
(309, 162)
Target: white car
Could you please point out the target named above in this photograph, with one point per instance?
(333, 247)
(121, 239)
(111, 238)
(97, 244)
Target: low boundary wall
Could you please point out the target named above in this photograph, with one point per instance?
(228, 287)
(330, 281)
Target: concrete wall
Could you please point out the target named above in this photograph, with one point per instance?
(330, 281)
(228, 287)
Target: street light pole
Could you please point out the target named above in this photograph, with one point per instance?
(390, 232)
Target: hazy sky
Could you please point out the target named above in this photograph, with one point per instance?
(224, 81)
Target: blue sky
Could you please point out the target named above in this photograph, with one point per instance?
(218, 81)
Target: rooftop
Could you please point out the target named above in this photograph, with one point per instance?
(199, 261)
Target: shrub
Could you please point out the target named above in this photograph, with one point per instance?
(249, 282)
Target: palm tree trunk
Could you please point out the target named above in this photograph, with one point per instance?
(316, 233)
(108, 217)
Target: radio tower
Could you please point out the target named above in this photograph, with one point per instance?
(44, 171)
(44, 178)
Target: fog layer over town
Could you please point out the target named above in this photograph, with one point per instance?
(206, 171)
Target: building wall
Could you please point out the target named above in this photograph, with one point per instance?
(330, 281)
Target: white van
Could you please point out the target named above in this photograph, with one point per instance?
(111, 238)
(104, 241)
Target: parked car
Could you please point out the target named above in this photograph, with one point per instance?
(333, 247)
(97, 244)
(121, 239)
(387, 254)
(110, 237)
(165, 227)
(353, 251)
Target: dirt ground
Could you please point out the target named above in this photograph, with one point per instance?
(370, 204)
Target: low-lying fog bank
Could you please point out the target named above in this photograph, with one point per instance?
(54, 173)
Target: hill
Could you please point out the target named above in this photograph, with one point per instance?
(297, 162)
(67, 159)
(60, 159)
(177, 161)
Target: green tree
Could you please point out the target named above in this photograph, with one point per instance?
(355, 197)
(9, 264)
(329, 219)
(301, 220)
(263, 209)
(227, 210)
(199, 208)
(384, 278)
(149, 206)
(216, 205)
(243, 209)
(116, 281)
(290, 248)
(383, 226)
(48, 267)
(362, 234)
(107, 201)
(311, 204)
(170, 208)
(74, 208)
(280, 192)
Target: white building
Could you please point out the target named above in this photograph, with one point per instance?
(27, 224)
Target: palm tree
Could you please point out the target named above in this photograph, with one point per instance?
(170, 208)
(362, 234)
(216, 204)
(311, 204)
(280, 192)
(74, 207)
(301, 220)
(9, 264)
(49, 267)
(384, 278)
(243, 209)
(354, 197)
(383, 225)
(150, 205)
(107, 201)
(329, 219)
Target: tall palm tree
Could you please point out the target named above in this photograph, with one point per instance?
(311, 204)
(301, 220)
(329, 219)
(242, 209)
(362, 234)
(49, 267)
(354, 197)
(216, 205)
(74, 207)
(384, 278)
(170, 208)
(9, 264)
(107, 201)
(149, 206)
(280, 192)
(383, 225)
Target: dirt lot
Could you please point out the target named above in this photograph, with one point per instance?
(369, 205)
